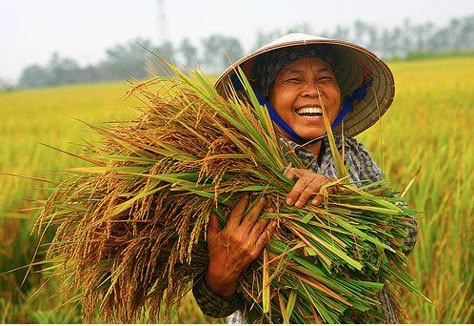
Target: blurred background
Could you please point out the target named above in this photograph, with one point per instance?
(62, 59)
(48, 43)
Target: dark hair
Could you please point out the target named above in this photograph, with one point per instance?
(267, 65)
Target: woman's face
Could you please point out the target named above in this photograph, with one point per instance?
(294, 96)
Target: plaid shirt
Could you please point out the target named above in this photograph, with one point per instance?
(361, 167)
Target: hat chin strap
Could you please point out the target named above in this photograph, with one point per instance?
(280, 122)
(357, 95)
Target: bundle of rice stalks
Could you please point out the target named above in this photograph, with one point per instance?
(131, 227)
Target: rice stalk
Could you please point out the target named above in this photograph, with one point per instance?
(131, 227)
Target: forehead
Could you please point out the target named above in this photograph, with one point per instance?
(307, 64)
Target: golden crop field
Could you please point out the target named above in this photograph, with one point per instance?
(428, 125)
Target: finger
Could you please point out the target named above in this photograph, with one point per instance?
(307, 193)
(307, 186)
(237, 212)
(332, 189)
(312, 189)
(213, 226)
(296, 191)
(264, 238)
(257, 229)
(253, 214)
(317, 200)
(292, 173)
(289, 172)
(324, 193)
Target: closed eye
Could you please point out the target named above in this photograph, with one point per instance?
(294, 80)
(326, 78)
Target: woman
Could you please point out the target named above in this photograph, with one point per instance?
(291, 76)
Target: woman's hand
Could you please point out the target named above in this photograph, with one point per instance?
(308, 185)
(235, 247)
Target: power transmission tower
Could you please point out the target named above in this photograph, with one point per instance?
(161, 19)
(153, 68)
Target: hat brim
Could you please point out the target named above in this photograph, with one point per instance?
(352, 62)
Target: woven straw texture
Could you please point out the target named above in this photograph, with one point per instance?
(351, 62)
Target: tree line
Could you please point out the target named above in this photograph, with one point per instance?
(135, 59)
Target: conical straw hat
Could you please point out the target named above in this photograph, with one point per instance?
(352, 62)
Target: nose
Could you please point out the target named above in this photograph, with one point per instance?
(310, 89)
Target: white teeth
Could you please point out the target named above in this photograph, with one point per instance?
(315, 110)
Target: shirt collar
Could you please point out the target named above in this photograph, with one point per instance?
(307, 155)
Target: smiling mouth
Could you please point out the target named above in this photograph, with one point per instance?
(310, 112)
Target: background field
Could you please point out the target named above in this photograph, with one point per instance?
(429, 125)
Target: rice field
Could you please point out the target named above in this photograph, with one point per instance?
(428, 126)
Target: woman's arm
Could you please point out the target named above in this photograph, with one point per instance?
(231, 250)
(238, 244)
(368, 169)
(212, 304)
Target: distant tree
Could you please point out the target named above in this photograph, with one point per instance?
(90, 74)
(394, 43)
(34, 76)
(211, 60)
(461, 33)
(167, 51)
(364, 34)
(63, 71)
(439, 39)
(300, 28)
(264, 38)
(341, 33)
(126, 60)
(385, 43)
(232, 50)
(408, 37)
(132, 60)
(219, 50)
(467, 33)
(373, 36)
(422, 33)
(189, 53)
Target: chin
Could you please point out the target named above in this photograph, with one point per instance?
(312, 135)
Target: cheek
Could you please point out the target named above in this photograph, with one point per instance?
(336, 100)
(338, 104)
(280, 99)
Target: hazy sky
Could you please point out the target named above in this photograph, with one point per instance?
(33, 29)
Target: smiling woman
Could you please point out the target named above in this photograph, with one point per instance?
(295, 96)
(290, 237)
(296, 78)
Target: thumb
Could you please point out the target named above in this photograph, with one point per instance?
(213, 226)
(293, 173)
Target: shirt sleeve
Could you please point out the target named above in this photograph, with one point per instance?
(368, 169)
(363, 164)
(212, 304)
